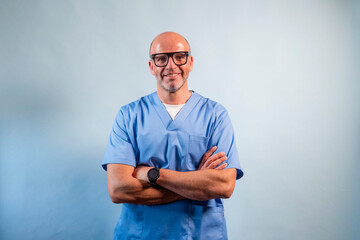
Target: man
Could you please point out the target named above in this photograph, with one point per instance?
(171, 156)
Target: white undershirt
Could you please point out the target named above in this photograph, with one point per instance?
(173, 109)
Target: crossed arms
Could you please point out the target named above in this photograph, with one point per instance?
(127, 184)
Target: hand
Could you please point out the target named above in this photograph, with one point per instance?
(140, 173)
(210, 161)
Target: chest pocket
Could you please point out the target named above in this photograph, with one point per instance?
(197, 148)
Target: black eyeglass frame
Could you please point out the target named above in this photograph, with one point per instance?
(170, 54)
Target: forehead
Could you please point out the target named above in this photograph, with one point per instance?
(164, 45)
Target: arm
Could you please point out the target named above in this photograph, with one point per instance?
(210, 181)
(124, 188)
(209, 185)
(198, 185)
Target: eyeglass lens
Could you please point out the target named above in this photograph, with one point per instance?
(161, 60)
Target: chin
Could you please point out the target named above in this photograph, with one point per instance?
(172, 88)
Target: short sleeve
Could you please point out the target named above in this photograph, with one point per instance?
(119, 148)
(223, 137)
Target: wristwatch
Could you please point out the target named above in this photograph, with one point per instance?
(153, 175)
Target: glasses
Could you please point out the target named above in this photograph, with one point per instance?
(162, 59)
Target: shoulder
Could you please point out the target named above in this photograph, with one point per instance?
(134, 108)
(128, 114)
(211, 106)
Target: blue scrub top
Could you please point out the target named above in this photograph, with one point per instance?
(144, 134)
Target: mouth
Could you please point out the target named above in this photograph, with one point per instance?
(171, 75)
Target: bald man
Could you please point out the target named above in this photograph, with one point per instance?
(171, 157)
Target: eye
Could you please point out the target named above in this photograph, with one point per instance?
(180, 56)
(161, 58)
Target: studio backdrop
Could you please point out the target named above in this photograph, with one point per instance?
(287, 72)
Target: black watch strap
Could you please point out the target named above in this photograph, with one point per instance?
(153, 175)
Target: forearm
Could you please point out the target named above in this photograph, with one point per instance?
(199, 185)
(124, 188)
(139, 192)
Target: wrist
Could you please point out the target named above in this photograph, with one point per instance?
(153, 175)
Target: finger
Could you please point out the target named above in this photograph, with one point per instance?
(214, 158)
(209, 152)
(207, 155)
(222, 166)
(216, 163)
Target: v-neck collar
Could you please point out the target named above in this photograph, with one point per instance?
(182, 114)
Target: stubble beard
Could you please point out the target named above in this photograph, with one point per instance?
(172, 87)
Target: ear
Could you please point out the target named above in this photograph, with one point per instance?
(191, 61)
(151, 66)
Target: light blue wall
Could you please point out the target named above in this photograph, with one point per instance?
(285, 70)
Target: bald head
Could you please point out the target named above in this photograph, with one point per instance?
(167, 42)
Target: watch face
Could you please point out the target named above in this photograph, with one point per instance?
(153, 174)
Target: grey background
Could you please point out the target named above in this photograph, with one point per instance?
(287, 71)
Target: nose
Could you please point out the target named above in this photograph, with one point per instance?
(171, 64)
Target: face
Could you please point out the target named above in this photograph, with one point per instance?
(171, 77)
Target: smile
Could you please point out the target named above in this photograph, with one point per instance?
(171, 75)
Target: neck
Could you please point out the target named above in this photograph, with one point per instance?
(179, 97)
